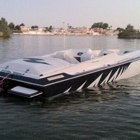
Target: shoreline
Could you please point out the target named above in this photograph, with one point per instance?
(61, 34)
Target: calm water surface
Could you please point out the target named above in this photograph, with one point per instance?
(107, 112)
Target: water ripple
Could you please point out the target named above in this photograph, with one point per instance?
(108, 112)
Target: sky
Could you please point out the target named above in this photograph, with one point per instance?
(75, 13)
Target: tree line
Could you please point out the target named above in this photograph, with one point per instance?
(100, 25)
(4, 28)
(129, 32)
(7, 29)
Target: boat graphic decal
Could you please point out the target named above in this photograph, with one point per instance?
(81, 86)
(114, 76)
(125, 68)
(120, 72)
(106, 74)
(35, 60)
(107, 78)
(67, 90)
(95, 82)
(117, 72)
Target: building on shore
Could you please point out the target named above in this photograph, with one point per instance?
(68, 31)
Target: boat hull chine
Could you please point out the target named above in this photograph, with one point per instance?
(69, 77)
(88, 80)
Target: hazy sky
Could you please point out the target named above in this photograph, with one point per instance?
(77, 13)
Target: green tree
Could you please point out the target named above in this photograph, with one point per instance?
(17, 27)
(100, 25)
(129, 27)
(94, 25)
(105, 25)
(11, 26)
(4, 29)
(129, 32)
(22, 24)
(34, 27)
(50, 28)
(120, 29)
(46, 28)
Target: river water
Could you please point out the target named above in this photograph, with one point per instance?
(108, 112)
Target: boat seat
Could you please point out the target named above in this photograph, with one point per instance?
(85, 57)
(59, 55)
(67, 57)
(104, 52)
(71, 59)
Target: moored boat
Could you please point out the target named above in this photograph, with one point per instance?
(67, 71)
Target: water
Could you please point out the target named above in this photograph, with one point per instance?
(106, 112)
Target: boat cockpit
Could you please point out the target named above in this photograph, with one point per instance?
(78, 56)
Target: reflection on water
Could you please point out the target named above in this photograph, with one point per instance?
(96, 94)
(19, 46)
(106, 112)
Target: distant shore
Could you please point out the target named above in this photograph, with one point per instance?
(108, 32)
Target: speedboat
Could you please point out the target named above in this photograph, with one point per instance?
(67, 71)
